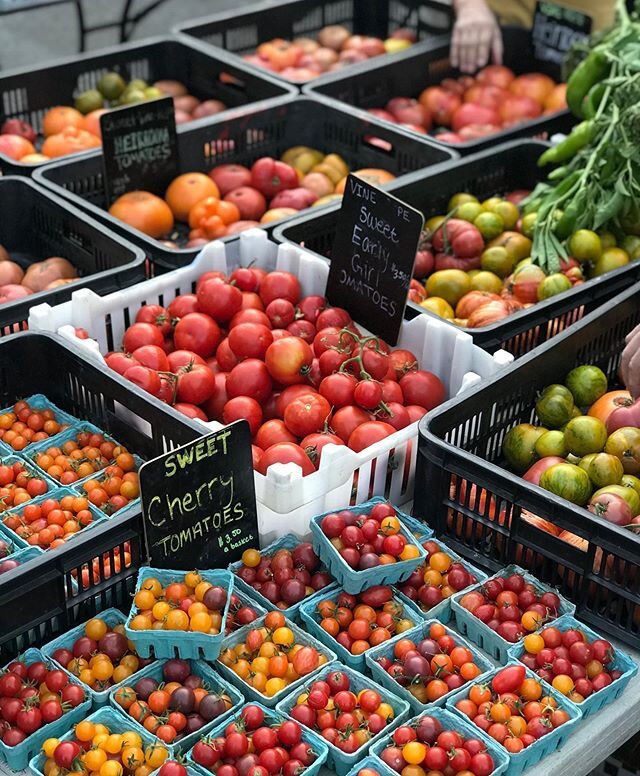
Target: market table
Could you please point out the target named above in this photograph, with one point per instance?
(593, 742)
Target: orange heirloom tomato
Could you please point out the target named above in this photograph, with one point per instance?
(213, 215)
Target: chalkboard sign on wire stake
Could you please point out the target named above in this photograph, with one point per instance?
(139, 148)
(199, 503)
(373, 256)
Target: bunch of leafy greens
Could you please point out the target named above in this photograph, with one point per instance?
(601, 183)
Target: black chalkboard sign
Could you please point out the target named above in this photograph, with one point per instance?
(199, 502)
(372, 258)
(555, 29)
(139, 148)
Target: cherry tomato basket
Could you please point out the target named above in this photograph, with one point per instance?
(52, 485)
(55, 591)
(38, 402)
(535, 753)
(68, 435)
(134, 506)
(112, 617)
(167, 644)
(240, 31)
(28, 93)
(17, 757)
(442, 611)
(372, 762)
(286, 500)
(311, 620)
(114, 722)
(272, 718)
(421, 631)
(301, 637)
(462, 725)
(58, 493)
(354, 581)
(621, 662)
(376, 81)
(288, 542)
(36, 224)
(241, 137)
(337, 760)
(211, 681)
(487, 639)
(490, 515)
(507, 167)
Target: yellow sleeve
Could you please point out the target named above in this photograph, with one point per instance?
(520, 12)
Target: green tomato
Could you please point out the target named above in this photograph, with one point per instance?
(584, 435)
(519, 446)
(553, 285)
(628, 494)
(567, 481)
(603, 469)
(625, 445)
(629, 481)
(555, 406)
(551, 443)
(587, 384)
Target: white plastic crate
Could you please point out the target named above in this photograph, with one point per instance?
(286, 500)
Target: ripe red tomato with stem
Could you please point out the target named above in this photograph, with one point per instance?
(195, 384)
(146, 379)
(289, 360)
(307, 414)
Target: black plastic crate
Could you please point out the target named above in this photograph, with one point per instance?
(36, 224)
(242, 31)
(242, 137)
(208, 74)
(508, 167)
(482, 510)
(46, 596)
(372, 84)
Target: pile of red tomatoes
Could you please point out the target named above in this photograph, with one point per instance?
(251, 346)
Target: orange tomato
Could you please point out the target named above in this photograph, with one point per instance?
(70, 140)
(57, 119)
(187, 190)
(609, 402)
(145, 212)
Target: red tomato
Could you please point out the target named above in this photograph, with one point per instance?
(270, 176)
(218, 299)
(368, 434)
(243, 408)
(250, 378)
(157, 315)
(145, 378)
(198, 333)
(120, 362)
(289, 360)
(286, 452)
(140, 334)
(423, 389)
(250, 340)
(469, 113)
(152, 356)
(307, 414)
(346, 420)
(195, 384)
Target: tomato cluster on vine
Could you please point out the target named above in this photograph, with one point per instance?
(251, 346)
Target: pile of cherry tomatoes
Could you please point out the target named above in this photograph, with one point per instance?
(359, 622)
(269, 659)
(24, 425)
(190, 605)
(513, 709)
(344, 718)
(51, 522)
(93, 747)
(19, 483)
(33, 694)
(431, 667)
(101, 657)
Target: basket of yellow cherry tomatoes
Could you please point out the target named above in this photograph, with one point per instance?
(178, 614)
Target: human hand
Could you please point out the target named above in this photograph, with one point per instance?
(476, 36)
(630, 364)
